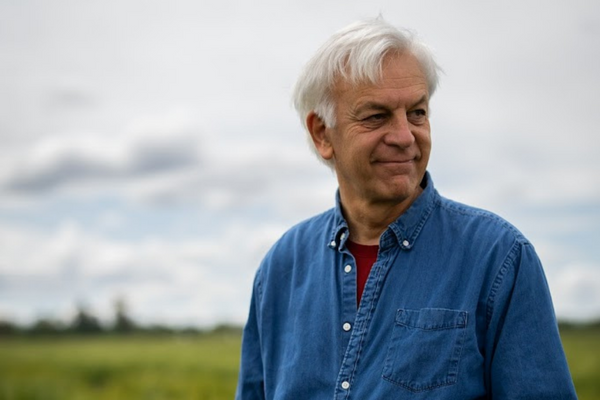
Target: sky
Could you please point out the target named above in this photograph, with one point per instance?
(149, 150)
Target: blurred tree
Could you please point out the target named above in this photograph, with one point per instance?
(123, 323)
(7, 328)
(45, 326)
(227, 329)
(85, 322)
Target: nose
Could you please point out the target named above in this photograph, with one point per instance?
(399, 133)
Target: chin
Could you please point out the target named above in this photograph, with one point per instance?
(399, 191)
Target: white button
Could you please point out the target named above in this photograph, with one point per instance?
(405, 243)
(343, 236)
(348, 268)
(347, 326)
(345, 385)
(332, 244)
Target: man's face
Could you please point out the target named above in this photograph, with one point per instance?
(381, 142)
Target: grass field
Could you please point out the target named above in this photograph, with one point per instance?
(582, 347)
(186, 367)
(119, 368)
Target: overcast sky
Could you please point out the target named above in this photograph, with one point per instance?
(148, 149)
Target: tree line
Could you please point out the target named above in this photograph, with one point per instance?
(84, 322)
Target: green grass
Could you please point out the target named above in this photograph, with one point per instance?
(582, 347)
(136, 367)
(168, 367)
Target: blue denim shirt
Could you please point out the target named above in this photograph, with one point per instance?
(455, 307)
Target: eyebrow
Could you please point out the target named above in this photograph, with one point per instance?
(370, 105)
(374, 105)
(423, 99)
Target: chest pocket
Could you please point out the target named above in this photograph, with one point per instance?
(425, 348)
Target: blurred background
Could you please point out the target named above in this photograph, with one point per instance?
(150, 155)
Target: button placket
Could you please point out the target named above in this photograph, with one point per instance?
(347, 323)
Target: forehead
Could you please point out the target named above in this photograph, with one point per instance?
(402, 80)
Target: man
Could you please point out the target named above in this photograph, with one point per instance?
(397, 292)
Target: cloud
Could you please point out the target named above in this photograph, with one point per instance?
(576, 291)
(200, 280)
(169, 161)
(69, 94)
(150, 146)
(246, 176)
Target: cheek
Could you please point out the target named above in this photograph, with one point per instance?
(352, 146)
(423, 139)
(425, 144)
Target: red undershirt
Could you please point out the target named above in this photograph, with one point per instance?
(365, 257)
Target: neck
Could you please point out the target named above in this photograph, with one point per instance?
(367, 220)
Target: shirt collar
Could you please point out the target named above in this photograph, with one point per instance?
(404, 231)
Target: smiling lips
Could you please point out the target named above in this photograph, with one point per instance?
(395, 161)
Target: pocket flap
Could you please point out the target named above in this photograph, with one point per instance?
(432, 318)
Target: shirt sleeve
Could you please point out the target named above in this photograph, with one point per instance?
(251, 378)
(524, 354)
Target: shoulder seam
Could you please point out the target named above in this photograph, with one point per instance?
(509, 262)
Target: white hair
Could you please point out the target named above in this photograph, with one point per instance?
(354, 53)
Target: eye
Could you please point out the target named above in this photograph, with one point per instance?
(375, 117)
(375, 120)
(417, 116)
(418, 112)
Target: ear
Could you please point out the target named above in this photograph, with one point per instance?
(320, 135)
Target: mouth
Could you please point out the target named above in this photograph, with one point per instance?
(395, 161)
(395, 165)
